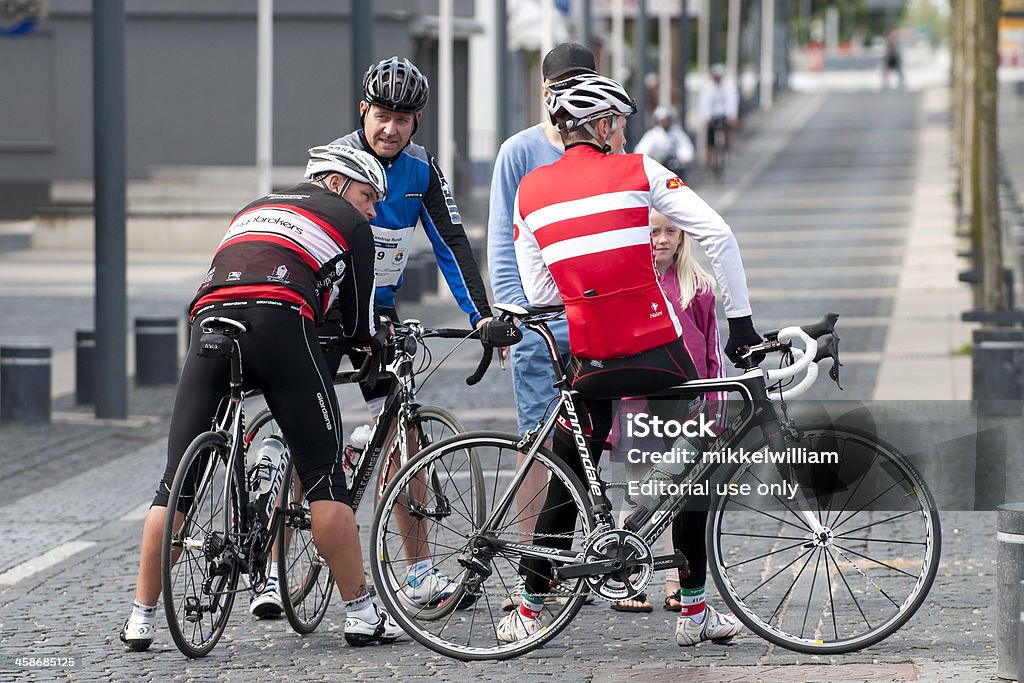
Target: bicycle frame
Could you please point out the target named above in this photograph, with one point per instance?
(757, 411)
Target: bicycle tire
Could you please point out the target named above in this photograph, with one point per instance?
(197, 578)
(305, 580)
(430, 424)
(470, 634)
(892, 590)
(305, 600)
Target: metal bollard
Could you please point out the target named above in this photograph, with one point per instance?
(1020, 634)
(1009, 575)
(156, 351)
(85, 367)
(998, 370)
(25, 374)
(428, 273)
(412, 282)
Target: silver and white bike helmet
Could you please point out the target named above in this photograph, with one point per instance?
(351, 163)
(576, 101)
(396, 84)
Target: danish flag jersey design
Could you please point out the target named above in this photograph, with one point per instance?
(584, 239)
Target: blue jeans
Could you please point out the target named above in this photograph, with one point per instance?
(533, 377)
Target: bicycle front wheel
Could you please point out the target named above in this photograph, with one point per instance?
(436, 509)
(850, 584)
(199, 570)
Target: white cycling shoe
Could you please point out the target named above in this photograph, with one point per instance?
(429, 589)
(715, 627)
(359, 632)
(267, 605)
(515, 627)
(137, 635)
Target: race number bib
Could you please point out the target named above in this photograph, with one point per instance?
(392, 253)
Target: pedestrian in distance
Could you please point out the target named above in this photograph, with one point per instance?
(892, 60)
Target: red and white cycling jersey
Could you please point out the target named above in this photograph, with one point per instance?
(583, 238)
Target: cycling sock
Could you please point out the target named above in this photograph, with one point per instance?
(143, 613)
(420, 569)
(272, 576)
(530, 608)
(693, 603)
(362, 608)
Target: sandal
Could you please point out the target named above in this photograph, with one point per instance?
(637, 604)
(669, 599)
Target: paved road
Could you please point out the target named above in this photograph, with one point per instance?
(820, 193)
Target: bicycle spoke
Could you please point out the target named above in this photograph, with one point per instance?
(882, 521)
(766, 581)
(763, 555)
(810, 594)
(792, 585)
(878, 562)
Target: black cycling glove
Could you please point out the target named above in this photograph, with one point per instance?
(741, 335)
(379, 348)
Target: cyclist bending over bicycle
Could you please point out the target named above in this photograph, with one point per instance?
(284, 260)
(624, 335)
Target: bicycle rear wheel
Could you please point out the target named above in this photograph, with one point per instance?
(450, 506)
(305, 580)
(850, 586)
(199, 570)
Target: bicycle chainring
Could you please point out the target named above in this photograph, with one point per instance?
(637, 564)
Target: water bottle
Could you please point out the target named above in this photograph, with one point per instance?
(354, 448)
(268, 459)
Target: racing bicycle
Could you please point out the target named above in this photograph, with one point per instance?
(836, 568)
(230, 529)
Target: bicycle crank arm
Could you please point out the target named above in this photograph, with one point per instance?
(676, 560)
(575, 571)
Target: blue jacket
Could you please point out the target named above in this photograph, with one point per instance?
(418, 191)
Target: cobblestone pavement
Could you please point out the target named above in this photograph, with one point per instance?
(818, 191)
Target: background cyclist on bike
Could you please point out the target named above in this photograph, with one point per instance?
(583, 239)
(719, 104)
(285, 258)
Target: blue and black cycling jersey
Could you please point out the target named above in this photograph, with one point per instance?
(418, 191)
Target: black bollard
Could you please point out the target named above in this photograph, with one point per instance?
(156, 351)
(1020, 634)
(85, 367)
(428, 273)
(412, 282)
(997, 370)
(25, 373)
(1009, 574)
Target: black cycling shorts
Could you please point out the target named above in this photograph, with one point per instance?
(281, 356)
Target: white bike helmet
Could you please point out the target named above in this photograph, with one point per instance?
(351, 163)
(578, 100)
